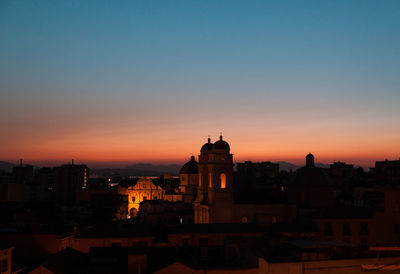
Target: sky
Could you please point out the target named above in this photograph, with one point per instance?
(149, 81)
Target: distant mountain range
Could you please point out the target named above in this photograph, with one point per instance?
(286, 166)
(146, 169)
(139, 169)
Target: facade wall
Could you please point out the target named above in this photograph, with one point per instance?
(268, 213)
(144, 189)
(84, 244)
(356, 235)
(6, 260)
(197, 239)
(351, 266)
(180, 268)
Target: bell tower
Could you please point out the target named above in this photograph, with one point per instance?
(214, 203)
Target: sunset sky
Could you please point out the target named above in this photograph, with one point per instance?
(149, 81)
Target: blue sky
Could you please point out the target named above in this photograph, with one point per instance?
(277, 70)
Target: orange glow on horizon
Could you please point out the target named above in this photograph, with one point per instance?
(117, 146)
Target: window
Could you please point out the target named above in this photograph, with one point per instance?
(328, 230)
(363, 229)
(223, 180)
(203, 241)
(364, 243)
(144, 198)
(210, 180)
(185, 241)
(200, 179)
(133, 199)
(116, 244)
(346, 229)
(244, 219)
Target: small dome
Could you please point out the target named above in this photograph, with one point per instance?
(310, 160)
(190, 167)
(221, 144)
(207, 146)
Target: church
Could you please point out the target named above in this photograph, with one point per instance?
(214, 199)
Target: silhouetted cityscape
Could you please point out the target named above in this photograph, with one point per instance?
(216, 216)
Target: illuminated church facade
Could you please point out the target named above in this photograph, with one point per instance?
(214, 201)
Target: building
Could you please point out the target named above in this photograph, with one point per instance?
(23, 174)
(189, 180)
(387, 172)
(68, 179)
(6, 259)
(215, 196)
(311, 187)
(256, 182)
(214, 201)
(143, 190)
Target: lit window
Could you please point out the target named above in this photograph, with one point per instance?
(210, 180)
(244, 219)
(223, 180)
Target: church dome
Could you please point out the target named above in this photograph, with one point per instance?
(221, 145)
(207, 146)
(310, 160)
(190, 167)
(311, 175)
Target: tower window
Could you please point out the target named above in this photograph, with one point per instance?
(363, 229)
(210, 180)
(328, 230)
(223, 180)
(346, 229)
(200, 179)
